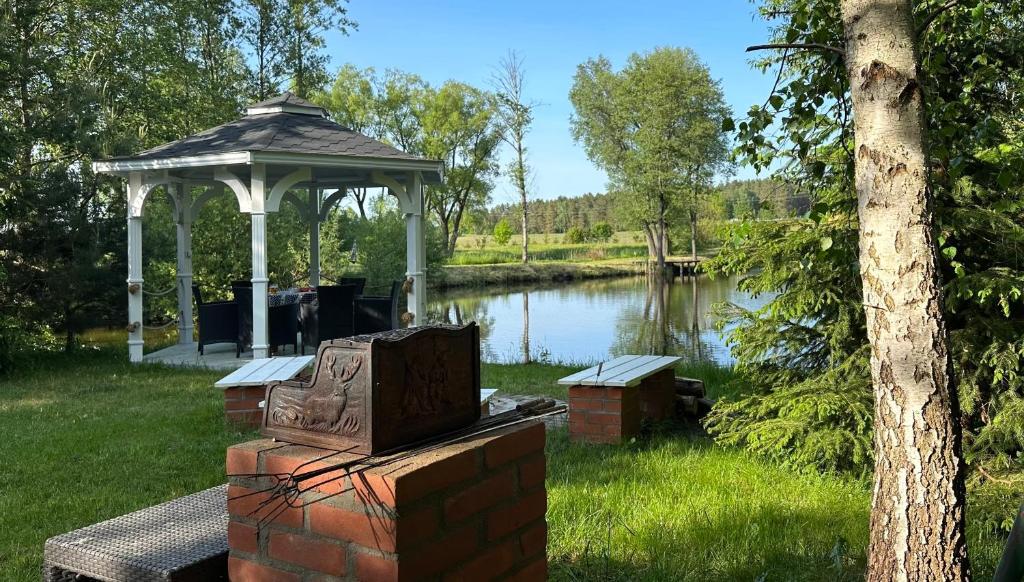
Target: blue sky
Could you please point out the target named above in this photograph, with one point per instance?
(465, 39)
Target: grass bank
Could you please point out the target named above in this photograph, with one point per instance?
(534, 272)
(88, 436)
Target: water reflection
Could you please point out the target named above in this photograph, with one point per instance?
(588, 321)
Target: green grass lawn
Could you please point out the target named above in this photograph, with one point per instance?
(88, 436)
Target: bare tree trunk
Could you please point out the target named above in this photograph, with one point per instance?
(526, 327)
(360, 195)
(522, 197)
(661, 235)
(917, 511)
(693, 233)
(652, 249)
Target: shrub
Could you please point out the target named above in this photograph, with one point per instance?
(576, 235)
(502, 232)
(381, 247)
(601, 232)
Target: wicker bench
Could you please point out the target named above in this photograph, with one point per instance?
(182, 539)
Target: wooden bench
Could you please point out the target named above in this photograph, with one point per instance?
(245, 388)
(182, 539)
(608, 402)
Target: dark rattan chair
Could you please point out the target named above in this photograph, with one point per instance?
(331, 317)
(373, 314)
(283, 322)
(218, 321)
(358, 282)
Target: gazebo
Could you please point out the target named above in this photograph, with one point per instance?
(284, 149)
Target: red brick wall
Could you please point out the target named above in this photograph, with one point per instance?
(242, 405)
(470, 511)
(658, 396)
(603, 415)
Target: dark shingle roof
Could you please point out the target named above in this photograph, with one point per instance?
(277, 132)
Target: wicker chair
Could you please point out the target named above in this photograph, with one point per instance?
(358, 282)
(283, 322)
(377, 313)
(332, 317)
(218, 321)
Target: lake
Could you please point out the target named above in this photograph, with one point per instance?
(589, 321)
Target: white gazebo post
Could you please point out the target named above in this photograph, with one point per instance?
(314, 236)
(260, 329)
(183, 204)
(415, 248)
(135, 341)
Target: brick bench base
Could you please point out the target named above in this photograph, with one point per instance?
(469, 511)
(602, 414)
(242, 405)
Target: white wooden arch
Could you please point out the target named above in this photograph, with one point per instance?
(277, 193)
(237, 186)
(335, 198)
(145, 184)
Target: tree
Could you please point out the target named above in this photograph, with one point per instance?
(460, 127)
(576, 235)
(806, 356)
(655, 128)
(285, 39)
(308, 21)
(502, 232)
(516, 115)
(262, 29)
(601, 232)
(353, 100)
(917, 510)
(454, 123)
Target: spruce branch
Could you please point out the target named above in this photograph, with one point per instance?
(809, 46)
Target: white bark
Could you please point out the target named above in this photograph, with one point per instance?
(917, 515)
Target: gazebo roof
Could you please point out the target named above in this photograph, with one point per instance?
(285, 130)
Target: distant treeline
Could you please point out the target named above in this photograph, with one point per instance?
(758, 198)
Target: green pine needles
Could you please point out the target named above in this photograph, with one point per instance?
(803, 358)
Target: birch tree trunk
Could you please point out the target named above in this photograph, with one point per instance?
(917, 509)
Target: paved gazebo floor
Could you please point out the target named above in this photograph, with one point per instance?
(217, 357)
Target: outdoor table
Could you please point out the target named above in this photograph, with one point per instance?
(290, 296)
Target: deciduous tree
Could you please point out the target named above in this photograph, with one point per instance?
(655, 128)
(918, 502)
(516, 114)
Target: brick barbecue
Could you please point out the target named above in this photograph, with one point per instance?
(381, 469)
(470, 511)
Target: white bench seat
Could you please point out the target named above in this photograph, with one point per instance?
(263, 371)
(621, 372)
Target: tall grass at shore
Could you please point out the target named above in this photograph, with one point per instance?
(552, 252)
(483, 250)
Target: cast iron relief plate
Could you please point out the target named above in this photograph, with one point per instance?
(375, 392)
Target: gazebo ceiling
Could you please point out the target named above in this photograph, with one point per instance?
(284, 133)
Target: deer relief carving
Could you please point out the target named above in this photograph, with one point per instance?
(326, 407)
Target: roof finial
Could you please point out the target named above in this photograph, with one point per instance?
(286, 102)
